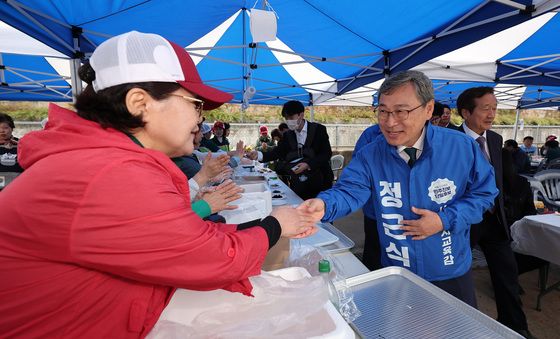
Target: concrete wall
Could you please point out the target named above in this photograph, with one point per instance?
(342, 137)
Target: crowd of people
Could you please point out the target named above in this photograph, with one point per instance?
(126, 194)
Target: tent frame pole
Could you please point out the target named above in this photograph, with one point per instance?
(76, 82)
(516, 121)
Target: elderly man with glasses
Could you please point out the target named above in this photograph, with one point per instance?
(424, 200)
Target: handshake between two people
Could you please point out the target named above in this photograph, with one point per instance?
(300, 222)
(312, 211)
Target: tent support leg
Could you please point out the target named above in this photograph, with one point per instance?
(76, 82)
(515, 127)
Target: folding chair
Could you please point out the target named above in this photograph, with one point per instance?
(337, 162)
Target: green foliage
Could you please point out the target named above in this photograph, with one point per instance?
(24, 112)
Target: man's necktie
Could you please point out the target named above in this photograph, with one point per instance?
(411, 151)
(482, 142)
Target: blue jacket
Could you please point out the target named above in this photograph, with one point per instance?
(367, 136)
(454, 180)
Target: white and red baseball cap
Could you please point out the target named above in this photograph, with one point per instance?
(142, 57)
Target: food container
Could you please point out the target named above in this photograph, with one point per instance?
(255, 203)
(396, 303)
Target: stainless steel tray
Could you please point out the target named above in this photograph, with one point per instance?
(343, 244)
(395, 303)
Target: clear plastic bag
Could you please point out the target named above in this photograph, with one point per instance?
(280, 308)
(308, 257)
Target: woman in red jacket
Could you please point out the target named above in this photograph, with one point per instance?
(98, 231)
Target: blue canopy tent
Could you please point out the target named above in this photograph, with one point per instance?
(20, 80)
(32, 71)
(332, 38)
(522, 62)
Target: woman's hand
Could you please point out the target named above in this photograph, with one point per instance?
(294, 223)
(223, 194)
(240, 149)
(211, 167)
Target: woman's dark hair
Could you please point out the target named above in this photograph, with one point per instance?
(7, 119)
(276, 133)
(108, 108)
(551, 144)
(283, 126)
(511, 143)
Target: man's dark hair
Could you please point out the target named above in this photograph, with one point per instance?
(227, 126)
(292, 107)
(108, 108)
(466, 99)
(283, 126)
(438, 109)
(7, 119)
(551, 144)
(446, 106)
(528, 137)
(511, 143)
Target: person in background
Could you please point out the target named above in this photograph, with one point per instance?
(206, 144)
(264, 142)
(521, 161)
(112, 234)
(219, 139)
(276, 135)
(436, 114)
(552, 150)
(8, 145)
(214, 169)
(528, 146)
(283, 127)
(543, 147)
(227, 129)
(425, 200)
(478, 106)
(305, 152)
(445, 120)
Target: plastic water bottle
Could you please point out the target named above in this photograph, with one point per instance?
(325, 270)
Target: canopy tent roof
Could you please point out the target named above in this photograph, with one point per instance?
(525, 54)
(32, 71)
(521, 62)
(324, 48)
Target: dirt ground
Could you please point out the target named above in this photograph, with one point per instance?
(544, 324)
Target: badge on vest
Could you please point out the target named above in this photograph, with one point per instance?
(442, 190)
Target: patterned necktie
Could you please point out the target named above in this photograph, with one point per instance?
(411, 151)
(481, 142)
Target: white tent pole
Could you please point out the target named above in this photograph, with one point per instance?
(516, 121)
(76, 82)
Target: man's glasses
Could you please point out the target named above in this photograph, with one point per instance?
(198, 104)
(398, 114)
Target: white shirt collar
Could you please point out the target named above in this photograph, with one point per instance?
(302, 135)
(472, 133)
(419, 145)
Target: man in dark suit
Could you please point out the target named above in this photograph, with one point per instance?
(478, 107)
(304, 153)
(445, 120)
